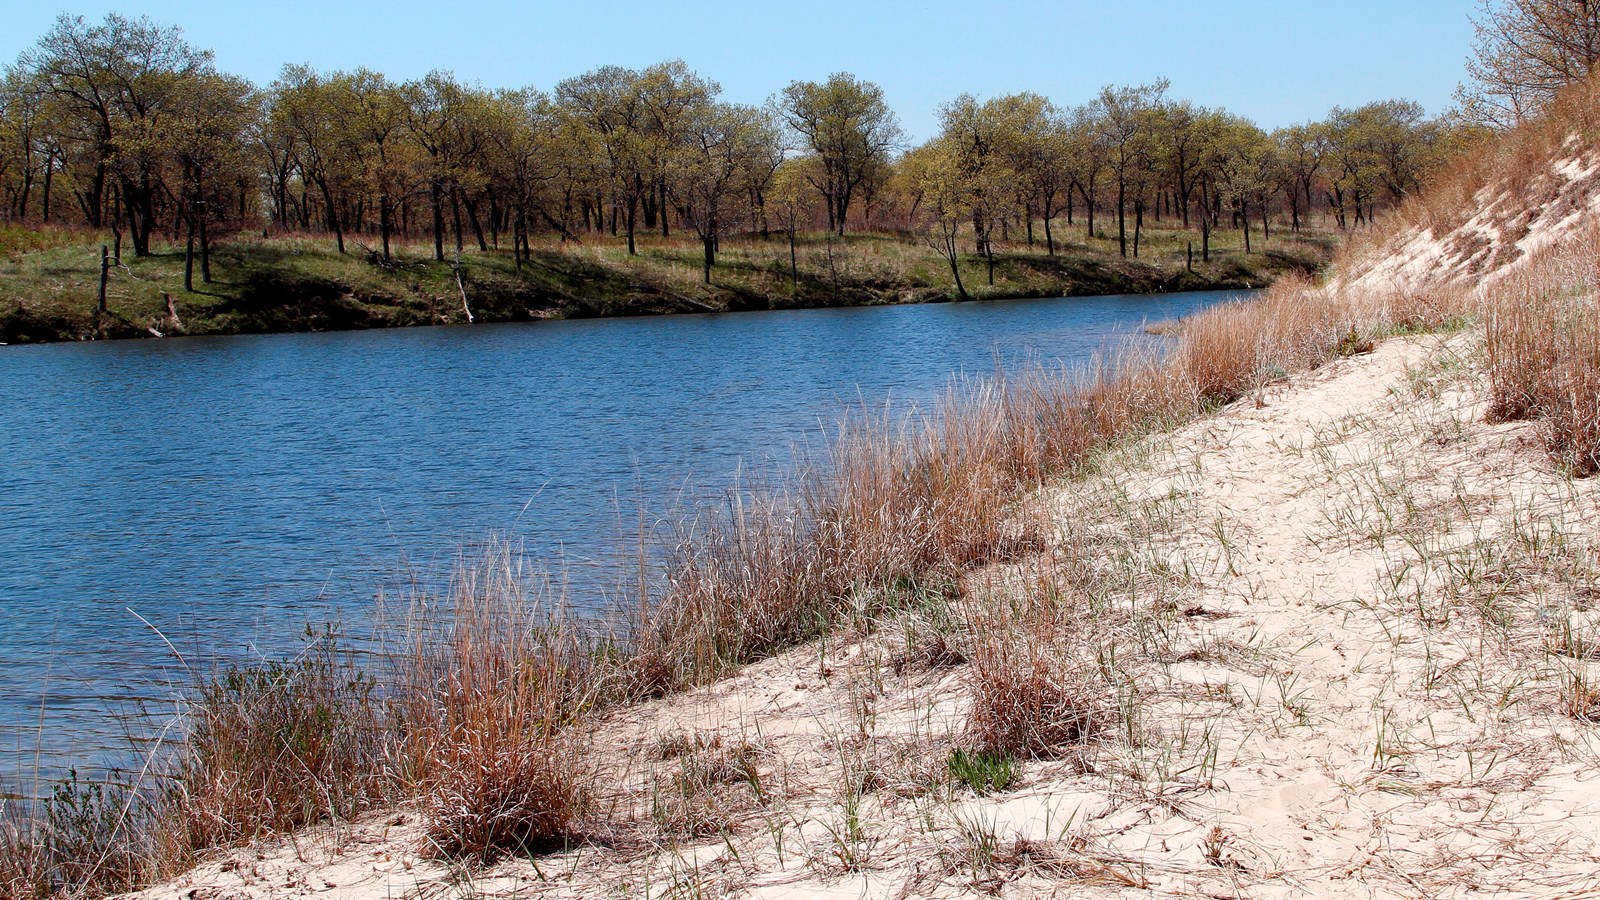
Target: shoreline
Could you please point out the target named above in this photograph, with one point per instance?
(297, 286)
(1246, 288)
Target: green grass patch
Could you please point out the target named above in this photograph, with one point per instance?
(982, 771)
(49, 279)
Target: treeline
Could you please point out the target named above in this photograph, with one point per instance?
(124, 126)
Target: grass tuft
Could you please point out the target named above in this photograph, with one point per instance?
(983, 772)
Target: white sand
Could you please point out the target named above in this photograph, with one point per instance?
(1334, 715)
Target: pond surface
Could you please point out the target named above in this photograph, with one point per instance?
(222, 493)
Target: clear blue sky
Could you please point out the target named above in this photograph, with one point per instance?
(1276, 62)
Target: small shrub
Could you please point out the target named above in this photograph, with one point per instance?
(707, 789)
(91, 832)
(498, 792)
(1352, 344)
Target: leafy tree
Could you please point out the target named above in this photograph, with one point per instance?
(1299, 158)
(724, 142)
(206, 137)
(606, 105)
(787, 196)
(852, 131)
(1123, 127)
(109, 85)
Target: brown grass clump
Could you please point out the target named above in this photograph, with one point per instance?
(709, 784)
(1037, 690)
(275, 747)
(1544, 349)
(484, 704)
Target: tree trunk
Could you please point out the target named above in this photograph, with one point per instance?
(383, 223)
(1138, 225)
(188, 253)
(333, 213)
(633, 211)
(794, 264)
(1122, 218)
(436, 199)
(455, 217)
(205, 252)
(662, 189)
(477, 227)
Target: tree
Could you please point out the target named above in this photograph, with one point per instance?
(1242, 162)
(1525, 52)
(606, 103)
(373, 112)
(674, 101)
(974, 139)
(1299, 155)
(311, 111)
(790, 188)
(1181, 129)
(724, 141)
(1088, 162)
(852, 131)
(944, 190)
(1123, 126)
(110, 85)
(207, 139)
(1030, 136)
(26, 159)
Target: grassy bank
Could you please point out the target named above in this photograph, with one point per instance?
(49, 280)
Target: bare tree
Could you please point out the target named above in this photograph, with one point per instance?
(1525, 52)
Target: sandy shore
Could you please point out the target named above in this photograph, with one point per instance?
(1352, 619)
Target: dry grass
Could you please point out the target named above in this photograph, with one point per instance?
(483, 702)
(709, 783)
(276, 747)
(1037, 690)
(1544, 349)
(478, 708)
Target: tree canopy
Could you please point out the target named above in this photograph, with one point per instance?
(125, 126)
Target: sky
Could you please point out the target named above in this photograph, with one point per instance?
(1277, 63)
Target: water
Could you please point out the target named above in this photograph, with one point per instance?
(220, 494)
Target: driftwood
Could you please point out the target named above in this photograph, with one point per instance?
(462, 286)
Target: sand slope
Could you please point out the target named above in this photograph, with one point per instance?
(1351, 629)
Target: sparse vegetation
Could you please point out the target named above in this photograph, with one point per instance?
(1044, 551)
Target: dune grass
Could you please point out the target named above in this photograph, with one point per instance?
(473, 710)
